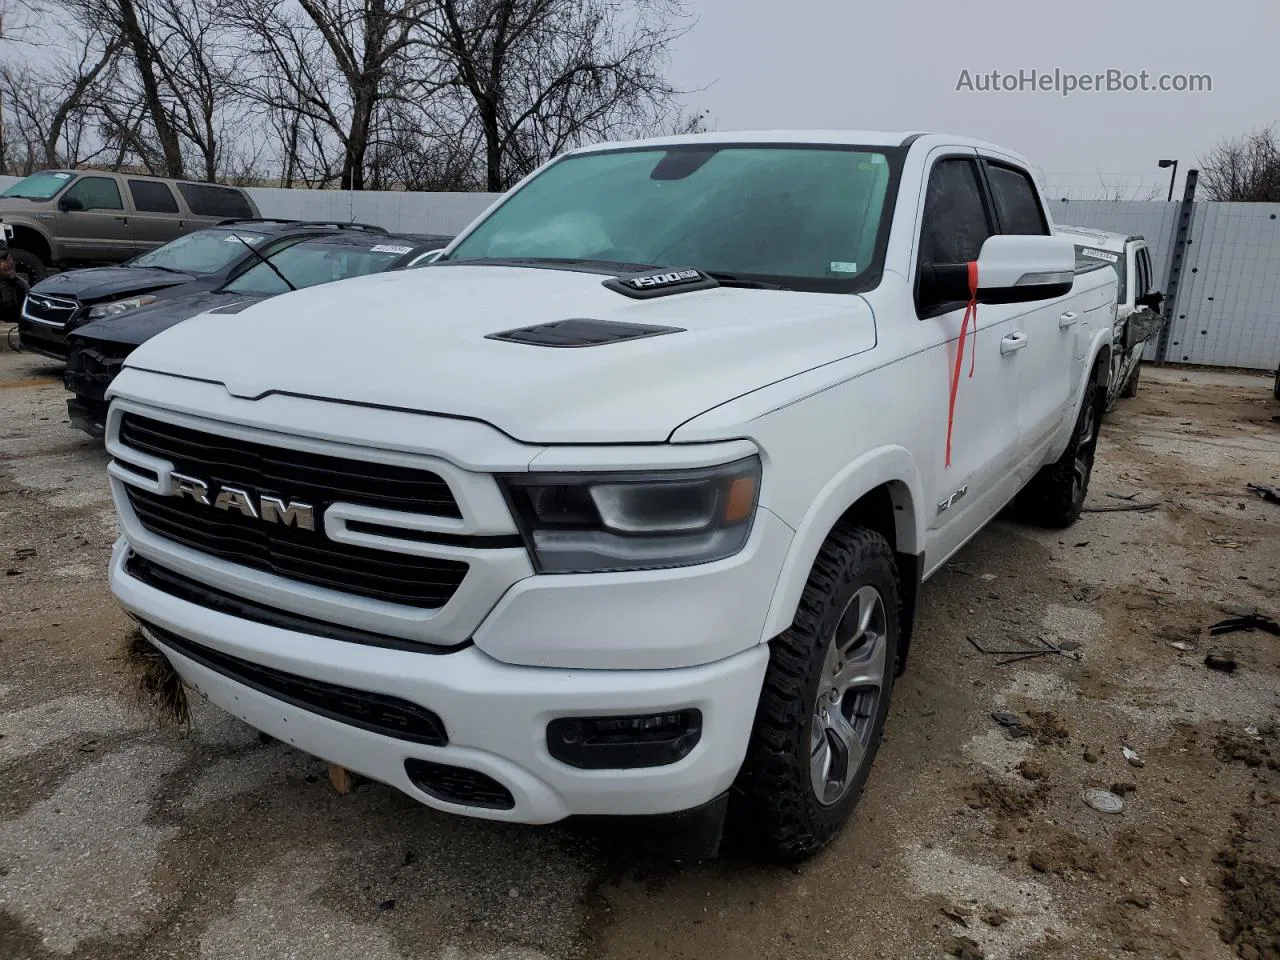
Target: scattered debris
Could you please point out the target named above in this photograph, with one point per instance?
(1267, 493)
(1089, 757)
(1184, 881)
(1252, 731)
(961, 911)
(340, 777)
(1104, 801)
(1145, 506)
(1032, 770)
(995, 917)
(1182, 645)
(964, 948)
(1220, 660)
(24, 553)
(1132, 756)
(1226, 542)
(1139, 900)
(1040, 648)
(1252, 620)
(386, 905)
(1013, 726)
(1124, 789)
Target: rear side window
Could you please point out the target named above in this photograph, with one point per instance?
(207, 200)
(152, 197)
(96, 193)
(955, 221)
(1017, 203)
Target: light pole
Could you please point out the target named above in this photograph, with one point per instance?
(1173, 176)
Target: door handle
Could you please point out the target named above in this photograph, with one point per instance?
(1012, 343)
(1067, 319)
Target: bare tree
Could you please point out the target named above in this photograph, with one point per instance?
(544, 75)
(1245, 169)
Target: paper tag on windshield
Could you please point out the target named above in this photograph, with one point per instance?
(843, 266)
(63, 176)
(1099, 255)
(391, 248)
(238, 237)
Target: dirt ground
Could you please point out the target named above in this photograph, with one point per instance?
(122, 841)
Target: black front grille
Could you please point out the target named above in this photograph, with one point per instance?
(458, 785)
(313, 477)
(90, 370)
(50, 309)
(304, 555)
(389, 716)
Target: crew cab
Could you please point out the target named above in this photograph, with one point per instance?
(194, 263)
(303, 256)
(1138, 303)
(622, 506)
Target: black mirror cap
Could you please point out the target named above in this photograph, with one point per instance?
(943, 283)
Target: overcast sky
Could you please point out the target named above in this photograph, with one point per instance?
(888, 65)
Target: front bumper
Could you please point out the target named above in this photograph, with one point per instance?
(88, 415)
(495, 713)
(48, 341)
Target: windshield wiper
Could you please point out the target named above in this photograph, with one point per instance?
(156, 266)
(613, 265)
(274, 269)
(732, 280)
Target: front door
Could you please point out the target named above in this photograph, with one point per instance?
(100, 229)
(983, 425)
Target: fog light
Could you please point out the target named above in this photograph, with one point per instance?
(620, 743)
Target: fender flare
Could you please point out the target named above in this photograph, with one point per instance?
(26, 223)
(885, 465)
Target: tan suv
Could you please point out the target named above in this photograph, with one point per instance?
(68, 218)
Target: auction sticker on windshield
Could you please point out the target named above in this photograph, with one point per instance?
(391, 248)
(242, 238)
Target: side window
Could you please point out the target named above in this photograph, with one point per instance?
(206, 200)
(152, 197)
(96, 193)
(1016, 199)
(955, 222)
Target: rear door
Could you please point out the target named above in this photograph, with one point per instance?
(1048, 328)
(101, 229)
(157, 218)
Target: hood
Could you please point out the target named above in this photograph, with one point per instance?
(139, 326)
(96, 284)
(421, 340)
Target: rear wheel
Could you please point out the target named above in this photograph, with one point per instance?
(1055, 495)
(28, 266)
(826, 694)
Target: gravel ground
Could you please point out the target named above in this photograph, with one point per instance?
(118, 840)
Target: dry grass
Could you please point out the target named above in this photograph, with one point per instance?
(155, 686)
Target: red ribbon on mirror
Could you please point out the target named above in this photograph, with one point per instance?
(970, 316)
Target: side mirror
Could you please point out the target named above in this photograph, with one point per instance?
(70, 204)
(1011, 269)
(1153, 301)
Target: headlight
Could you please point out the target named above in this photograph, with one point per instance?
(590, 523)
(98, 311)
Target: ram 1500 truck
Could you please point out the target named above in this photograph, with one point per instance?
(622, 506)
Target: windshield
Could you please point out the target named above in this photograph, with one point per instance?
(206, 251)
(1088, 258)
(804, 217)
(316, 261)
(39, 186)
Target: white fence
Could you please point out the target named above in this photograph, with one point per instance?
(1228, 306)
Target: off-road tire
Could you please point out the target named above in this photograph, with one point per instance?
(1130, 389)
(1054, 498)
(774, 812)
(30, 267)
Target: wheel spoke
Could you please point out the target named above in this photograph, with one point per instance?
(847, 749)
(866, 667)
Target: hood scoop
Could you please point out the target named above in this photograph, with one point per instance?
(581, 332)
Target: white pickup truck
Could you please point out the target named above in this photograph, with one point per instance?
(1138, 303)
(622, 507)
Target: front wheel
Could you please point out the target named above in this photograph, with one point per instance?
(826, 694)
(1055, 495)
(27, 265)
